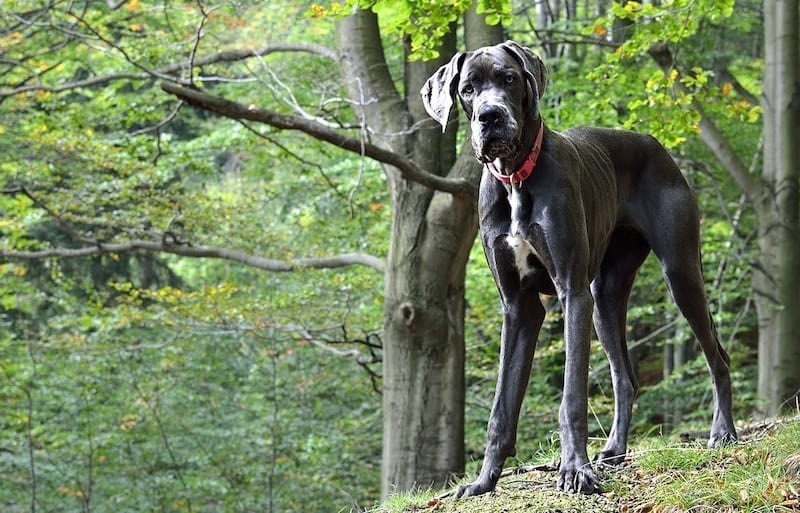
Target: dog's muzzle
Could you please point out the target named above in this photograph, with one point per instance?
(494, 132)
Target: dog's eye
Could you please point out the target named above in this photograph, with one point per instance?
(467, 89)
(510, 79)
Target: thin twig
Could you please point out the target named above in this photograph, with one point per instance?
(197, 38)
(167, 445)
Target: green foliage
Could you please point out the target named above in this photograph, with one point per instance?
(182, 421)
(673, 20)
(135, 382)
(424, 23)
(665, 106)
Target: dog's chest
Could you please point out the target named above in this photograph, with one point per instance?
(517, 210)
(524, 254)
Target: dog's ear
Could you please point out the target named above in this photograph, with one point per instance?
(532, 65)
(439, 90)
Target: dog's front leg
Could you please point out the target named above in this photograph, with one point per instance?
(523, 315)
(520, 329)
(575, 473)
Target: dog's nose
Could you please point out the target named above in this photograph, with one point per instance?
(489, 114)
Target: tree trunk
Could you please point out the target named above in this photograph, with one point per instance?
(423, 377)
(431, 236)
(776, 278)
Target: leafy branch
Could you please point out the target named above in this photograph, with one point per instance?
(175, 244)
(181, 248)
(710, 133)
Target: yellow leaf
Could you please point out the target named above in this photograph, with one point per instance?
(600, 30)
(128, 422)
(65, 490)
(726, 88)
(317, 11)
(673, 75)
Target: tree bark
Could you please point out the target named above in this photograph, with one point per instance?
(776, 278)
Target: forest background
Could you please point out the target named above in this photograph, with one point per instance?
(238, 267)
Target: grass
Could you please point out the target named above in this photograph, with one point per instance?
(752, 476)
(759, 474)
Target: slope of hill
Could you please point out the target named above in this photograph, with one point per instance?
(759, 474)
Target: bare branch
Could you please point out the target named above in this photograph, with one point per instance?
(408, 169)
(161, 124)
(112, 44)
(89, 82)
(197, 39)
(39, 203)
(168, 71)
(326, 344)
(325, 339)
(167, 246)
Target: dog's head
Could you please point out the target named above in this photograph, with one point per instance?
(499, 88)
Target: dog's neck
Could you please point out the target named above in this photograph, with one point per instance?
(516, 168)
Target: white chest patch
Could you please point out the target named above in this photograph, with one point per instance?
(514, 201)
(522, 249)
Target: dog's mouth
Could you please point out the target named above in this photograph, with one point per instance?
(499, 141)
(495, 148)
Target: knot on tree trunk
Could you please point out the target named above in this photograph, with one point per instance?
(408, 312)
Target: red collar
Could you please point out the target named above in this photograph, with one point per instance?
(526, 168)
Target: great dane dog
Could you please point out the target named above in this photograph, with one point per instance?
(572, 214)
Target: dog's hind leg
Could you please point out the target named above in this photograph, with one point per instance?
(678, 249)
(610, 289)
(686, 286)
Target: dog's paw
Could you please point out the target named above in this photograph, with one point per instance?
(609, 457)
(722, 439)
(580, 480)
(475, 488)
